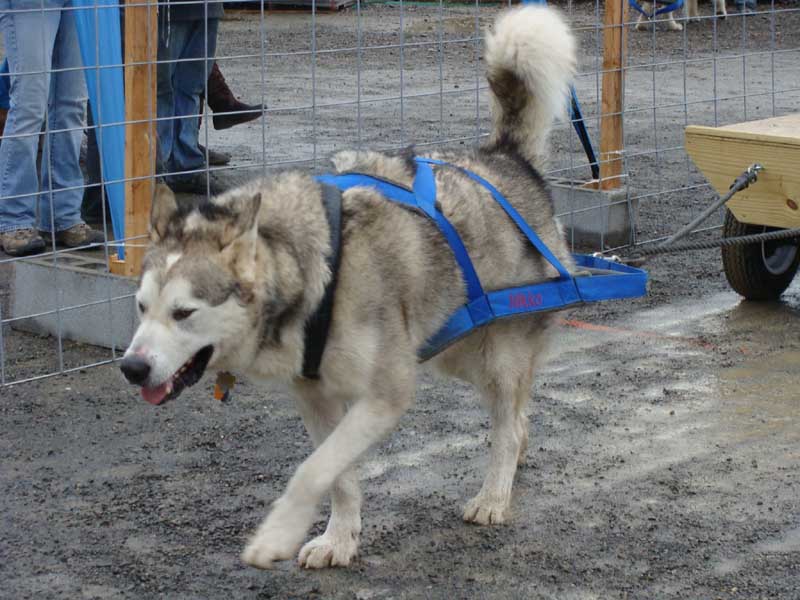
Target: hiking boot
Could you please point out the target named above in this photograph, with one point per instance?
(77, 235)
(196, 183)
(221, 100)
(3, 117)
(22, 242)
(215, 158)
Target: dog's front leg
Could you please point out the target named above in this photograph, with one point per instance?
(366, 423)
(643, 22)
(339, 544)
(672, 24)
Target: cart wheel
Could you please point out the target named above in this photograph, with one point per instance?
(758, 271)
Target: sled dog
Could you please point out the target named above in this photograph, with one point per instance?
(231, 283)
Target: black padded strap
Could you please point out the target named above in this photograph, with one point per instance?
(318, 326)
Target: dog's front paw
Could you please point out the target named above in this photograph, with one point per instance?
(674, 26)
(279, 536)
(329, 550)
(487, 511)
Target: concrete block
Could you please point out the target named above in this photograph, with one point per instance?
(594, 219)
(75, 297)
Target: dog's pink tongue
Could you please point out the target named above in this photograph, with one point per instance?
(156, 395)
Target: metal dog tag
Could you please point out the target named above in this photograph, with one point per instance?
(223, 386)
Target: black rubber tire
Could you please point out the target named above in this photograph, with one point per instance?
(744, 265)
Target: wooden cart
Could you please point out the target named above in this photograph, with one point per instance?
(756, 271)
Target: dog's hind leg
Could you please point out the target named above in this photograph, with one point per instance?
(339, 544)
(509, 377)
(692, 14)
(493, 502)
(367, 422)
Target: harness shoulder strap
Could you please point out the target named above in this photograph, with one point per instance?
(425, 192)
(511, 212)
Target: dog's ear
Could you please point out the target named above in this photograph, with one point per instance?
(162, 210)
(239, 239)
(244, 219)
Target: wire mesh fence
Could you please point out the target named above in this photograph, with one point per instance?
(270, 86)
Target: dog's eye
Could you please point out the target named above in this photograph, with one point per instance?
(181, 314)
(142, 308)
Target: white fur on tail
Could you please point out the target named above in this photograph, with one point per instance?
(530, 55)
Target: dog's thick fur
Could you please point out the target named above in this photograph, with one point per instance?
(245, 271)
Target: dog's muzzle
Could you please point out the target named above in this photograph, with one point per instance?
(137, 371)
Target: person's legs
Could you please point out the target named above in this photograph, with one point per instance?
(190, 81)
(29, 39)
(62, 179)
(169, 50)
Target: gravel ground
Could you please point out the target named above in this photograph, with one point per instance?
(664, 446)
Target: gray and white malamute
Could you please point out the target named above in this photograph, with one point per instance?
(231, 285)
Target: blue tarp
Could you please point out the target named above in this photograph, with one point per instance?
(101, 47)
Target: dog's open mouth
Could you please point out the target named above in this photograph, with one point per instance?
(189, 374)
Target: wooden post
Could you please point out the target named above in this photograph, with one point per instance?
(611, 138)
(141, 52)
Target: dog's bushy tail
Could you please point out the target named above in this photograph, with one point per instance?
(530, 58)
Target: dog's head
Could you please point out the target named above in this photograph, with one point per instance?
(195, 291)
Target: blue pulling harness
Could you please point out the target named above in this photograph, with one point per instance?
(605, 280)
(660, 11)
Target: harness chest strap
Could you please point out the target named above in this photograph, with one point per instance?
(318, 326)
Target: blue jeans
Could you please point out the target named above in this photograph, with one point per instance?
(38, 42)
(179, 87)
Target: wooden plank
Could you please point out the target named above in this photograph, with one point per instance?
(722, 155)
(786, 128)
(141, 46)
(611, 132)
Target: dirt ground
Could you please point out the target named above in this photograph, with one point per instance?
(664, 438)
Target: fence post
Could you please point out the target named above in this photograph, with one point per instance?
(141, 51)
(611, 132)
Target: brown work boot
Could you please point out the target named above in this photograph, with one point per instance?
(221, 100)
(3, 117)
(22, 242)
(77, 235)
